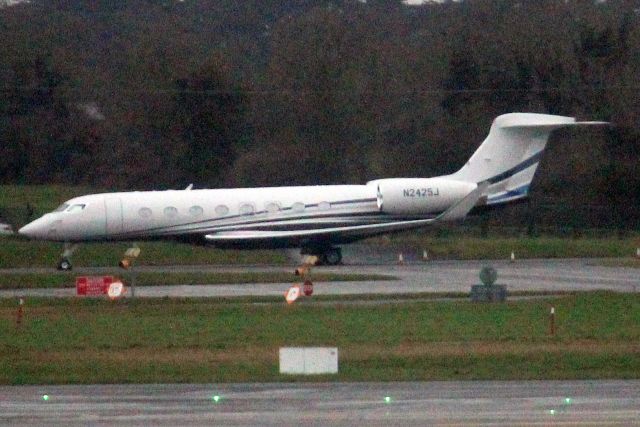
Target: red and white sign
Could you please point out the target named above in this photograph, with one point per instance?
(292, 294)
(116, 290)
(307, 288)
(91, 286)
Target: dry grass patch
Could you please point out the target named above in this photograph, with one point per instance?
(144, 355)
(484, 348)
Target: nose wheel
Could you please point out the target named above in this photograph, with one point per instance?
(64, 265)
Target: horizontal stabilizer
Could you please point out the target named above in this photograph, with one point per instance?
(464, 206)
(551, 126)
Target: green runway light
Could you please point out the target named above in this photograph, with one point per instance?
(215, 398)
(567, 400)
(387, 399)
(552, 411)
(45, 397)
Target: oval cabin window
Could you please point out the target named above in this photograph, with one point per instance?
(195, 211)
(170, 212)
(324, 206)
(247, 209)
(297, 207)
(272, 207)
(145, 213)
(222, 210)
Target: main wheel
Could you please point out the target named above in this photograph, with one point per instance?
(332, 257)
(65, 265)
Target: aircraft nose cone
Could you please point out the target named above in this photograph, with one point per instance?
(33, 230)
(27, 230)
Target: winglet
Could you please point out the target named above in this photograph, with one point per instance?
(464, 206)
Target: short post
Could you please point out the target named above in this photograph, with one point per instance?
(552, 321)
(20, 313)
(133, 282)
(130, 256)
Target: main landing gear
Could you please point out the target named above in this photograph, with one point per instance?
(326, 255)
(333, 256)
(316, 255)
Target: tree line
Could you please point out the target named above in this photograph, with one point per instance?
(160, 94)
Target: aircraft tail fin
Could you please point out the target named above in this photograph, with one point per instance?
(509, 156)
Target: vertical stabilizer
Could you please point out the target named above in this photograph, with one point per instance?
(509, 156)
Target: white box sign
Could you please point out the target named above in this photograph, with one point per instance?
(308, 360)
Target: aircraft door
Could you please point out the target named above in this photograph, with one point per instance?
(113, 211)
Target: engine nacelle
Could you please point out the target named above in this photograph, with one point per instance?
(419, 196)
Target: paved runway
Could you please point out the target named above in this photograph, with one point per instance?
(563, 403)
(414, 277)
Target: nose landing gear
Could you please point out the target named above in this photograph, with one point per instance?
(65, 260)
(64, 265)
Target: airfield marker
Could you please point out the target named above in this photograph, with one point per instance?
(552, 321)
(292, 294)
(513, 256)
(425, 255)
(637, 252)
(115, 290)
(400, 258)
(20, 312)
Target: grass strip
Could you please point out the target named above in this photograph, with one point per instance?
(67, 280)
(213, 340)
(16, 252)
(496, 247)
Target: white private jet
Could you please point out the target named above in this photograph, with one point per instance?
(313, 218)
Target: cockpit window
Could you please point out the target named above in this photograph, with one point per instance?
(76, 208)
(63, 207)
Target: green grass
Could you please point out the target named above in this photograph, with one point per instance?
(42, 198)
(497, 247)
(16, 252)
(60, 280)
(213, 340)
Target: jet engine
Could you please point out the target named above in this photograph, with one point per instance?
(419, 196)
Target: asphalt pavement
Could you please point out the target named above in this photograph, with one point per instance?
(414, 276)
(508, 403)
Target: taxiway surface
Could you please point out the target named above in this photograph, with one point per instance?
(415, 276)
(512, 403)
